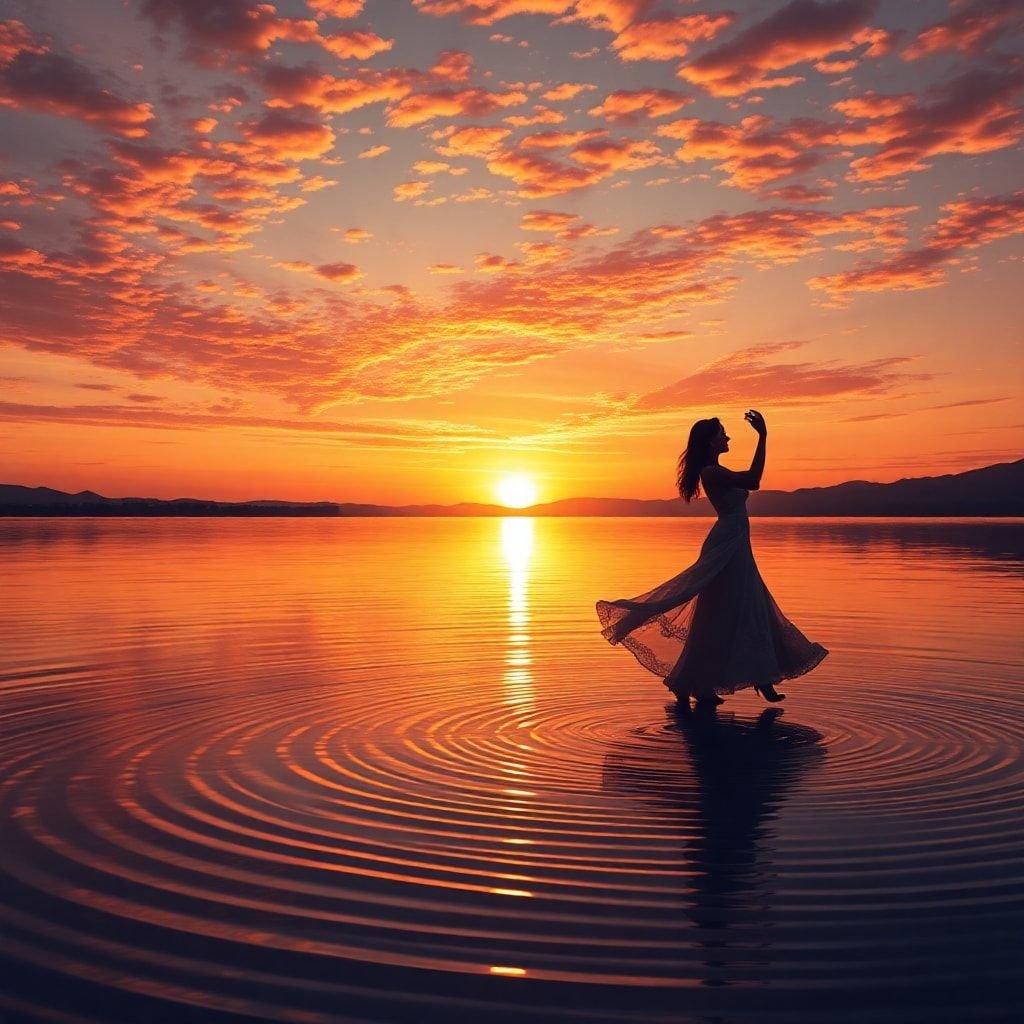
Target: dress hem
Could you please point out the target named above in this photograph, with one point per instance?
(820, 653)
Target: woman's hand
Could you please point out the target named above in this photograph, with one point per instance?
(756, 420)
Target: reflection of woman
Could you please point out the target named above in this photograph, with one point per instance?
(714, 628)
(736, 779)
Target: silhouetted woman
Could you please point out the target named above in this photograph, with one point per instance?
(714, 628)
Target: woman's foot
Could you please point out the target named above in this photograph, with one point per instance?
(770, 693)
(709, 699)
(682, 701)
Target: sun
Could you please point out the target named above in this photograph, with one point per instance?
(516, 491)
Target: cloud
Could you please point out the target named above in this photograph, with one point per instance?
(453, 66)
(784, 235)
(215, 28)
(487, 12)
(14, 254)
(541, 253)
(317, 183)
(801, 31)
(339, 271)
(418, 108)
(355, 44)
(116, 305)
(972, 28)
(16, 38)
(410, 190)
(559, 140)
(797, 194)
(395, 433)
(373, 151)
(32, 78)
(666, 37)
(539, 176)
(628, 107)
(755, 375)
(755, 152)
(639, 33)
(966, 224)
(610, 155)
(474, 140)
(287, 136)
(491, 263)
(972, 113)
(540, 115)
(336, 8)
(758, 375)
(566, 91)
(592, 159)
(547, 220)
(563, 225)
(308, 86)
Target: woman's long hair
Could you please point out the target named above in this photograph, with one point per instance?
(696, 457)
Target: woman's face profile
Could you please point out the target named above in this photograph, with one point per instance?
(720, 442)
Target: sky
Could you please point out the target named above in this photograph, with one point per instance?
(398, 250)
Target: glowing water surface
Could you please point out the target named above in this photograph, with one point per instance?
(388, 770)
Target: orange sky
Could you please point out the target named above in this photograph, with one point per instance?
(396, 251)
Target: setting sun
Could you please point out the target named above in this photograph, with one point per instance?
(516, 491)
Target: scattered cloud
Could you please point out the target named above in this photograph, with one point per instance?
(34, 78)
(797, 33)
(972, 28)
(628, 107)
(966, 224)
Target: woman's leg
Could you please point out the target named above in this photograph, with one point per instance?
(700, 661)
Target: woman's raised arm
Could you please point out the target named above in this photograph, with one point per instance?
(749, 478)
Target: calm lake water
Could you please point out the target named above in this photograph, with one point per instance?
(389, 770)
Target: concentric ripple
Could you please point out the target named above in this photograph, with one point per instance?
(269, 794)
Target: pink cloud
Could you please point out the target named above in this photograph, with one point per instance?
(308, 86)
(667, 37)
(801, 31)
(418, 108)
(33, 78)
(629, 106)
(355, 44)
(971, 28)
(967, 224)
(755, 152)
(453, 66)
(755, 375)
(972, 113)
(286, 136)
(336, 8)
(214, 28)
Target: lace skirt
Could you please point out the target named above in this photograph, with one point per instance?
(714, 627)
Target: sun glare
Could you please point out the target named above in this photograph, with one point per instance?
(516, 491)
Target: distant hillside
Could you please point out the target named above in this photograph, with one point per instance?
(991, 491)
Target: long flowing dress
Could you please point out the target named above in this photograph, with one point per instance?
(714, 627)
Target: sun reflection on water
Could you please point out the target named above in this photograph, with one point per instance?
(517, 549)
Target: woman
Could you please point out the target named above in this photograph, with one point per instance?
(714, 628)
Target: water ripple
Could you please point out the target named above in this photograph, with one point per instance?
(241, 814)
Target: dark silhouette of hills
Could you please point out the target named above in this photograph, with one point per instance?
(990, 491)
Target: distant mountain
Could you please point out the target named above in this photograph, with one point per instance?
(991, 491)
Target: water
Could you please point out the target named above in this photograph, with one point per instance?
(388, 770)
